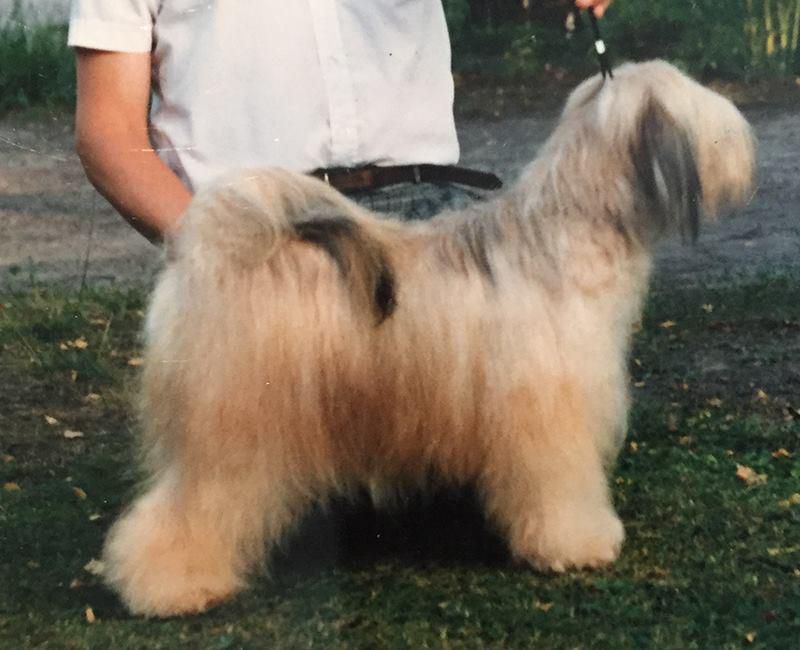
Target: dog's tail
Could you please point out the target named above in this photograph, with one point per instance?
(246, 219)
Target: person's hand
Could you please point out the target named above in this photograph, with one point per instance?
(599, 6)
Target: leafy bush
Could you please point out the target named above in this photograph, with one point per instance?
(682, 32)
(737, 39)
(36, 66)
(518, 48)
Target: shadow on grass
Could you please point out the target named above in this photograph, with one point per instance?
(444, 528)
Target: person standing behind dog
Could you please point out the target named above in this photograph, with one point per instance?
(174, 93)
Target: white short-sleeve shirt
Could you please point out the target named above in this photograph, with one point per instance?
(300, 84)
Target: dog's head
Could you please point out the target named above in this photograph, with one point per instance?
(687, 152)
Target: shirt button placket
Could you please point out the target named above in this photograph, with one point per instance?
(343, 120)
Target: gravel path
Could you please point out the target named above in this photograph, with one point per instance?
(55, 228)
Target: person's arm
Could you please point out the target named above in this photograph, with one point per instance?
(111, 138)
(599, 6)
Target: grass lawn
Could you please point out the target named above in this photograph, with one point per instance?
(708, 486)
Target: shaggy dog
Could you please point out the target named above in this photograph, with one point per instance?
(300, 346)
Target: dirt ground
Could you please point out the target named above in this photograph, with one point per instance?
(55, 228)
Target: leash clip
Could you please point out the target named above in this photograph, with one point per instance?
(600, 47)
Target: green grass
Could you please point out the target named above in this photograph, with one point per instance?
(708, 559)
(36, 66)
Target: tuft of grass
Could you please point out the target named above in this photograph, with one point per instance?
(72, 334)
(709, 560)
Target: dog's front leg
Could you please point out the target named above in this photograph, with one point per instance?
(545, 484)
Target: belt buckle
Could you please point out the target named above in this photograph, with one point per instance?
(417, 174)
(367, 176)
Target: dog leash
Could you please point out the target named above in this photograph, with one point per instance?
(600, 46)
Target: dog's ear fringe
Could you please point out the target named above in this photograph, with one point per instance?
(667, 177)
(360, 259)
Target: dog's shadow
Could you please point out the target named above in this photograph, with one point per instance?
(445, 527)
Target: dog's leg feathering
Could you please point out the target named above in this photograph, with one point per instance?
(222, 491)
(189, 542)
(545, 484)
(165, 560)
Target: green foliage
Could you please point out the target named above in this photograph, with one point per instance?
(519, 49)
(457, 14)
(733, 39)
(36, 66)
(720, 38)
(772, 29)
(736, 39)
(704, 36)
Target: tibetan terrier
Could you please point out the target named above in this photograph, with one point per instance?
(300, 346)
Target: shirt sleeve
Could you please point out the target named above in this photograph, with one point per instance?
(113, 25)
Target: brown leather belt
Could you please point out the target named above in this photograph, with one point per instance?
(373, 177)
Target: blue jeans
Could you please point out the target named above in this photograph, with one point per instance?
(410, 201)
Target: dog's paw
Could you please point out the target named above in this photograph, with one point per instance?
(166, 594)
(168, 583)
(582, 540)
(161, 570)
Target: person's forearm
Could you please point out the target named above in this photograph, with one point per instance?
(130, 175)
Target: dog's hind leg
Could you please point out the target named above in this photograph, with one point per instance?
(545, 484)
(189, 541)
(221, 490)
(167, 559)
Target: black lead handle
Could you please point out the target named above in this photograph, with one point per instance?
(600, 47)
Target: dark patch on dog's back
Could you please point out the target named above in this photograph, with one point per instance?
(477, 242)
(471, 246)
(673, 197)
(384, 294)
(329, 235)
(356, 256)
